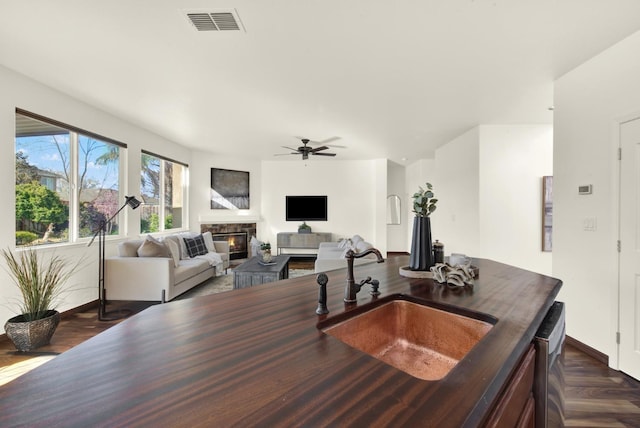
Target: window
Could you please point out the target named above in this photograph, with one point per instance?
(67, 181)
(162, 210)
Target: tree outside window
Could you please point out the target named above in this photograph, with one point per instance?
(162, 210)
(52, 160)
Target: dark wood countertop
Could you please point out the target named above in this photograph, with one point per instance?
(254, 357)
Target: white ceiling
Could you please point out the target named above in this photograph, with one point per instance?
(390, 79)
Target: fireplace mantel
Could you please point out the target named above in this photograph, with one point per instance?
(230, 218)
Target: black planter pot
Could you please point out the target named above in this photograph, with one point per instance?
(30, 335)
(421, 245)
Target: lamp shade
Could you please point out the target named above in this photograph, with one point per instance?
(132, 202)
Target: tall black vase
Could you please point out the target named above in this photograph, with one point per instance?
(421, 245)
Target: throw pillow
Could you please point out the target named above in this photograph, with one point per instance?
(129, 248)
(183, 248)
(195, 246)
(176, 240)
(152, 238)
(174, 250)
(152, 248)
(208, 241)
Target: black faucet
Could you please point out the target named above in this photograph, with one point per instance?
(352, 288)
(322, 280)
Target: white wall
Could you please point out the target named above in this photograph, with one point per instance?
(378, 194)
(397, 233)
(488, 183)
(200, 196)
(357, 189)
(356, 193)
(355, 203)
(19, 91)
(456, 221)
(588, 103)
(513, 160)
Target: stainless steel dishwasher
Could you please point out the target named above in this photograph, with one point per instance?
(549, 381)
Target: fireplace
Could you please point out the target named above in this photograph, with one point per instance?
(237, 241)
(238, 235)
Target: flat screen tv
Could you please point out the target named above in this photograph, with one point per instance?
(306, 208)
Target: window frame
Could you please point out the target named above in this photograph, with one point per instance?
(74, 203)
(161, 195)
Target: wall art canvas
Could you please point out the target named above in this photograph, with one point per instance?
(229, 189)
(547, 212)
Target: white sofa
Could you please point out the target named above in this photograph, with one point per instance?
(134, 275)
(331, 255)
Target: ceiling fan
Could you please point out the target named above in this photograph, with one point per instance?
(305, 149)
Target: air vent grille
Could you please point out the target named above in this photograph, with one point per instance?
(214, 21)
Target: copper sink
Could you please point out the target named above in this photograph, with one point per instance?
(423, 341)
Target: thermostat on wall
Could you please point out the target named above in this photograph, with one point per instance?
(585, 190)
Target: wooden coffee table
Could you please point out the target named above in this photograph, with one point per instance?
(253, 272)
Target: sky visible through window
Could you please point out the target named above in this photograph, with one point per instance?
(52, 153)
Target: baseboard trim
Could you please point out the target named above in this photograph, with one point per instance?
(81, 308)
(594, 353)
(397, 253)
(63, 315)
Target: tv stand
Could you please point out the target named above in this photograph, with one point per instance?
(301, 241)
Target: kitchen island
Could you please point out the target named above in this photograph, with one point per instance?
(255, 357)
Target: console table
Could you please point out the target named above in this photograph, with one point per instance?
(253, 272)
(306, 241)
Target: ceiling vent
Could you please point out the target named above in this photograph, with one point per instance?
(218, 20)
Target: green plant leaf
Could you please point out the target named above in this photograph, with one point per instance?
(424, 202)
(40, 281)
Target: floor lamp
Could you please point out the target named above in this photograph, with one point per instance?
(100, 234)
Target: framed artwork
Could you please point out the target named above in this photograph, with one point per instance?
(229, 189)
(547, 212)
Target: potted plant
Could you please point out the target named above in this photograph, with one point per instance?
(304, 228)
(40, 283)
(424, 204)
(266, 252)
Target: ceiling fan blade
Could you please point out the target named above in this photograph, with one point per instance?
(315, 143)
(305, 150)
(286, 154)
(325, 144)
(327, 140)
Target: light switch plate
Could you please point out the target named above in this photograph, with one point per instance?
(590, 224)
(586, 189)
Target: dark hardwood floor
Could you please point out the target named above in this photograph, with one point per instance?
(73, 329)
(595, 395)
